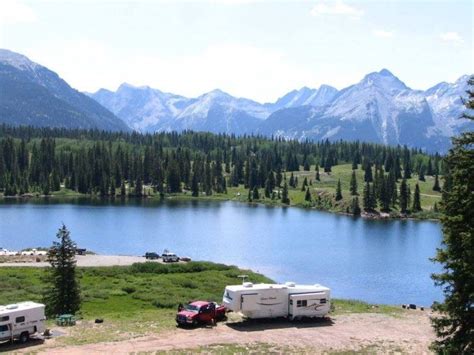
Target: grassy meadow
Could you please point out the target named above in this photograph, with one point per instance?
(326, 188)
(142, 298)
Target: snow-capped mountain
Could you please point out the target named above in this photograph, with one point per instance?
(380, 108)
(446, 105)
(142, 108)
(149, 110)
(306, 96)
(34, 95)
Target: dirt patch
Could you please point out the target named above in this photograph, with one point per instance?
(410, 332)
(82, 260)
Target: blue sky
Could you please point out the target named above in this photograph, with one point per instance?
(255, 49)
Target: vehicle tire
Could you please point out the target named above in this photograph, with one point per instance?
(195, 323)
(24, 337)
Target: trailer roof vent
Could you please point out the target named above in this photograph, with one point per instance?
(290, 284)
(248, 284)
(12, 306)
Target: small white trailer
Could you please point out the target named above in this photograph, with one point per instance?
(21, 320)
(278, 300)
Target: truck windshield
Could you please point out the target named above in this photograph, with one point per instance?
(192, 308)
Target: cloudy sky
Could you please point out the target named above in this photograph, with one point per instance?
(255, 49)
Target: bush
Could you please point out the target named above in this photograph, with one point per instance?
(129, 289)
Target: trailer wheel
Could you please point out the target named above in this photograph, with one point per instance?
(24, 337)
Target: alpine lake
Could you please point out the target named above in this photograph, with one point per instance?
(377, 261)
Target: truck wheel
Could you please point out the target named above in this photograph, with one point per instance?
(24, 337)
(195, 323)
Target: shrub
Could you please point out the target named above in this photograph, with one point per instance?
(129, 289)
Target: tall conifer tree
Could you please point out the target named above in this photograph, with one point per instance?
(454, 324)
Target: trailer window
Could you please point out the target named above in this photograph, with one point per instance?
(301, 303)
(4, 318)
(322, 300)
(3, 328)
(20, 319)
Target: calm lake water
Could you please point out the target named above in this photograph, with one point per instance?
(376, 261)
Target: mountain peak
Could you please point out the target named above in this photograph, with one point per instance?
(385, 80)
(386, 72)
(16, 60)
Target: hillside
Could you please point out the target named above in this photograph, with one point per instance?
(204, 165)
(34, 95)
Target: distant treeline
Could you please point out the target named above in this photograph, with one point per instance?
(40, 160)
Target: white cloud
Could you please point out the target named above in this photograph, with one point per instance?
(382, 33)
(451, 37)
(14, 11)
(336, 7)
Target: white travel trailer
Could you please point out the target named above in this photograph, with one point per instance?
(21, 320)
(7, 252)
(277, 300)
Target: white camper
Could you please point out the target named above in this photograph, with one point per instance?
(21, 320)
(277, 300)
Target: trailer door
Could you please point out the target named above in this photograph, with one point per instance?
(249, 302)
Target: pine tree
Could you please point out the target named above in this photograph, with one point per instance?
(112, 186)
(292, 180)
(338, 191)
(454, 325)
(403, 196)
(63, 295)
(368, 198)
(416, 199)
(306, 166)
(123, 190)
(436, 186)
(284, 195)
(353, 184)
(368, 172)
(255, 194)
(194, 185)
(421, 173)
(139, 188)
(355, 208)
(304, 185)
(307, 196)
(317, 177)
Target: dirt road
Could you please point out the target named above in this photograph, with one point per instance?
(83, 261)
(409, 332)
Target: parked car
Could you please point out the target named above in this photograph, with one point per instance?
(81, 251)
(184, 258)
(200, 312)
(151, 256)
(169, 257)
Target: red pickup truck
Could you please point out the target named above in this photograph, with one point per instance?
(199, 312)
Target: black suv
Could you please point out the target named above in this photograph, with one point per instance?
(151, 256)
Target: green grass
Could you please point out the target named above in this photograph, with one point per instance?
(133, 300)
(326, 188)
(141, 299)
(122, 291)
(341, 306)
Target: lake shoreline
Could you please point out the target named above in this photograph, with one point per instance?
(221, 198)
